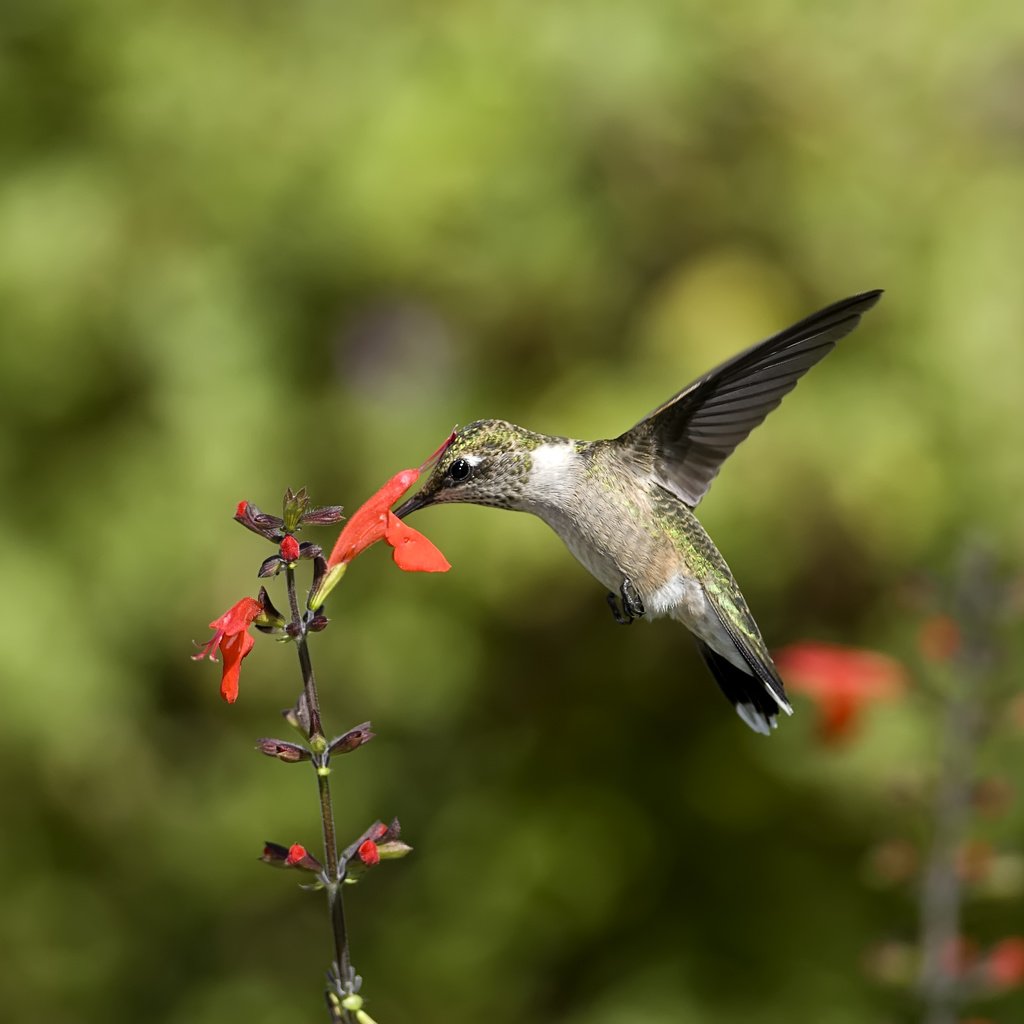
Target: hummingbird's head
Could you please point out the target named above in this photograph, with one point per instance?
(487, 463)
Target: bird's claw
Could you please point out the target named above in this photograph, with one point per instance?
(632, 605)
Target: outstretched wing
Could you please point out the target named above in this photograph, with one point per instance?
(695, 431)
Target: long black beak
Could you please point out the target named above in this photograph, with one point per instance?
(415, 502)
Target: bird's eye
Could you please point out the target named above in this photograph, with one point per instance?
(459, 470)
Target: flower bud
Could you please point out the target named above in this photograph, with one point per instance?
(274, 854)
(252, 518)
(298, 717)
(290, 753)
(290, 549)
(295, 504)
(327, 515)
(352, 739)
(270, 566)
(299, 857)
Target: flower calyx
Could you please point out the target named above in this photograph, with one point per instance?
(294, 856)
(297, 511)
(379, 842)
(290, 753)
(351, 740)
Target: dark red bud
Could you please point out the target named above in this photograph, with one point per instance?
(318, 623)
(252, 518)
(274, 854)
(270, 566)
(290, 753)
(352, 739)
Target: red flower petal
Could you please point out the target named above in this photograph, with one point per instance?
(367, 524)
(368, 852)
(238, 617)
(289, 549)
(295, 854)
(233, 650)
(412, 551)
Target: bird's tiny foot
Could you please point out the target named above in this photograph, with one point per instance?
(620, 618)
(632, 605)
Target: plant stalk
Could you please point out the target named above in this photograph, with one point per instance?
(321, 764)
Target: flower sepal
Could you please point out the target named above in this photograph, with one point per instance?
(290, 753)
(255, 519)
(379, 842)
(352, 740)
(298, 717)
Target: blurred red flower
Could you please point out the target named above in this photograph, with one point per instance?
(231, 636)
(1004, 965)
(841, 680)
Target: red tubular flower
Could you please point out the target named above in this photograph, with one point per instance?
(841, 680)
(231, 636)
(374, 521)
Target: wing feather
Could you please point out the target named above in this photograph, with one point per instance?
(696, 430)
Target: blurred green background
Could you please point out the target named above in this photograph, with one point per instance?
(245, 245)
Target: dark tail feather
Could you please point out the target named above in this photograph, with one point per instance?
(745, 692)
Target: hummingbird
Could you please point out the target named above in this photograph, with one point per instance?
(624, 507)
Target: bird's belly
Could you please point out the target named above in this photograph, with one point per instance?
(597, 561)
(652, 564)
(685, 600)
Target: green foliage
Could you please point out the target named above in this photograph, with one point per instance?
(251, 245)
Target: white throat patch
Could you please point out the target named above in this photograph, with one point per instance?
(551, 468)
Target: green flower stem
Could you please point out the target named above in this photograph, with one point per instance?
(321, 758)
